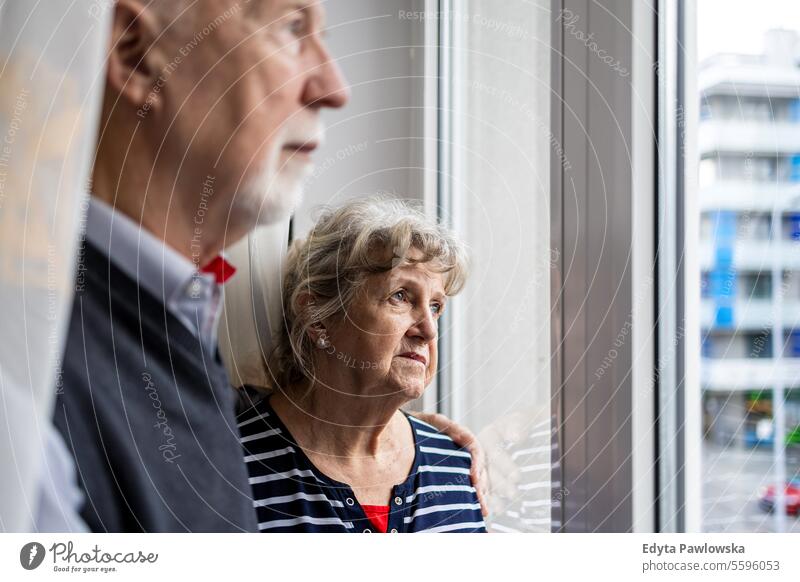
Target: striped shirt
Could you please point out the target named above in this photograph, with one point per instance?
(291, 495)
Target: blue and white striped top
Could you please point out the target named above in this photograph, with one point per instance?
(291, 495)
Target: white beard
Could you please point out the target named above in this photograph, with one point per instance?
(274, 193)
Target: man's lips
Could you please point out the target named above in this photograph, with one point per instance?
(301, 148)
(415, 356)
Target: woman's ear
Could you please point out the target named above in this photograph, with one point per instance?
(135, 63)
(317, 332)
(319, 335)
(304, 300)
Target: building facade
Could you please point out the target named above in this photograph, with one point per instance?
(749, 188)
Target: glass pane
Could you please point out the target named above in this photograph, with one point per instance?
(501, 204)
(748, 141)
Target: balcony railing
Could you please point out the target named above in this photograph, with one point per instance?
(740, 78)
(754, 255)
(748, 374)
(748, 196)
(748, 137)
(751, 314)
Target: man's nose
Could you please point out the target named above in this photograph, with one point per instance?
(326, 86)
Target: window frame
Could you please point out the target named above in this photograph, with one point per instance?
(608, 471)
(678, 227)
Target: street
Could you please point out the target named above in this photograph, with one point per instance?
(731, 479)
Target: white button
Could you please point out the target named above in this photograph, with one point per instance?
(349, 501)
(194, 288)
(367, 530)
(394, 530)
(398, 501)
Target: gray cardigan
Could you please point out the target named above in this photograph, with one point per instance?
(147, 414)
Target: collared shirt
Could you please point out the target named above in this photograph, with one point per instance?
(291, 495)
(194, 298)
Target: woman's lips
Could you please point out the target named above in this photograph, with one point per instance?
(416, 357)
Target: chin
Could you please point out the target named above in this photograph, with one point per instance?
(413, 390)
(273, 196)
(414, 394)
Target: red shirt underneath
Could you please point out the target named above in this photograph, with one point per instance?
(378, 515)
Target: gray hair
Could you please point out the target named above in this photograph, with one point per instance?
(349, 243)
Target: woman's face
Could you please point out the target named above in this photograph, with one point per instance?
(386, 342)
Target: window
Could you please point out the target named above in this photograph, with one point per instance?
(738, 87)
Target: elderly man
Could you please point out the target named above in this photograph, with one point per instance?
(211, 110)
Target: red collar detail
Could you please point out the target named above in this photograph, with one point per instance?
(220, 268)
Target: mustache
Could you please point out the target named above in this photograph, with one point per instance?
(303, 131)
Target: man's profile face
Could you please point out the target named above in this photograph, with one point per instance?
(245, 103)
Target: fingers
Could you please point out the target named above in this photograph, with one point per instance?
(483, 492)
(480, 476)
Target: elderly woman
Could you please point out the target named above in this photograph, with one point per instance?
(330, 450)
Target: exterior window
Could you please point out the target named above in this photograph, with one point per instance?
(748, 161)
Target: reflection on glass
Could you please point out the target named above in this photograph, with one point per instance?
(501, 189)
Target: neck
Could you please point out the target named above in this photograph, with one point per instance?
(130, 177)
(337, 423)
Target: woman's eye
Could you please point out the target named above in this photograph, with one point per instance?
(436, 309)
(399, 295)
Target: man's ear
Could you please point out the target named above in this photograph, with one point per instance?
(134, 62)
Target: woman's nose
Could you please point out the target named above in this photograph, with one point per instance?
(425, 328)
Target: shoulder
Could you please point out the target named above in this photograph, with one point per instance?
(444, 499)
(435, 446)
(248, 398)
(428, 435)
(257, 420)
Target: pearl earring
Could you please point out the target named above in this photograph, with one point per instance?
(323, 343)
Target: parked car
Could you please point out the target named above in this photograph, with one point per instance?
(766, 497)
